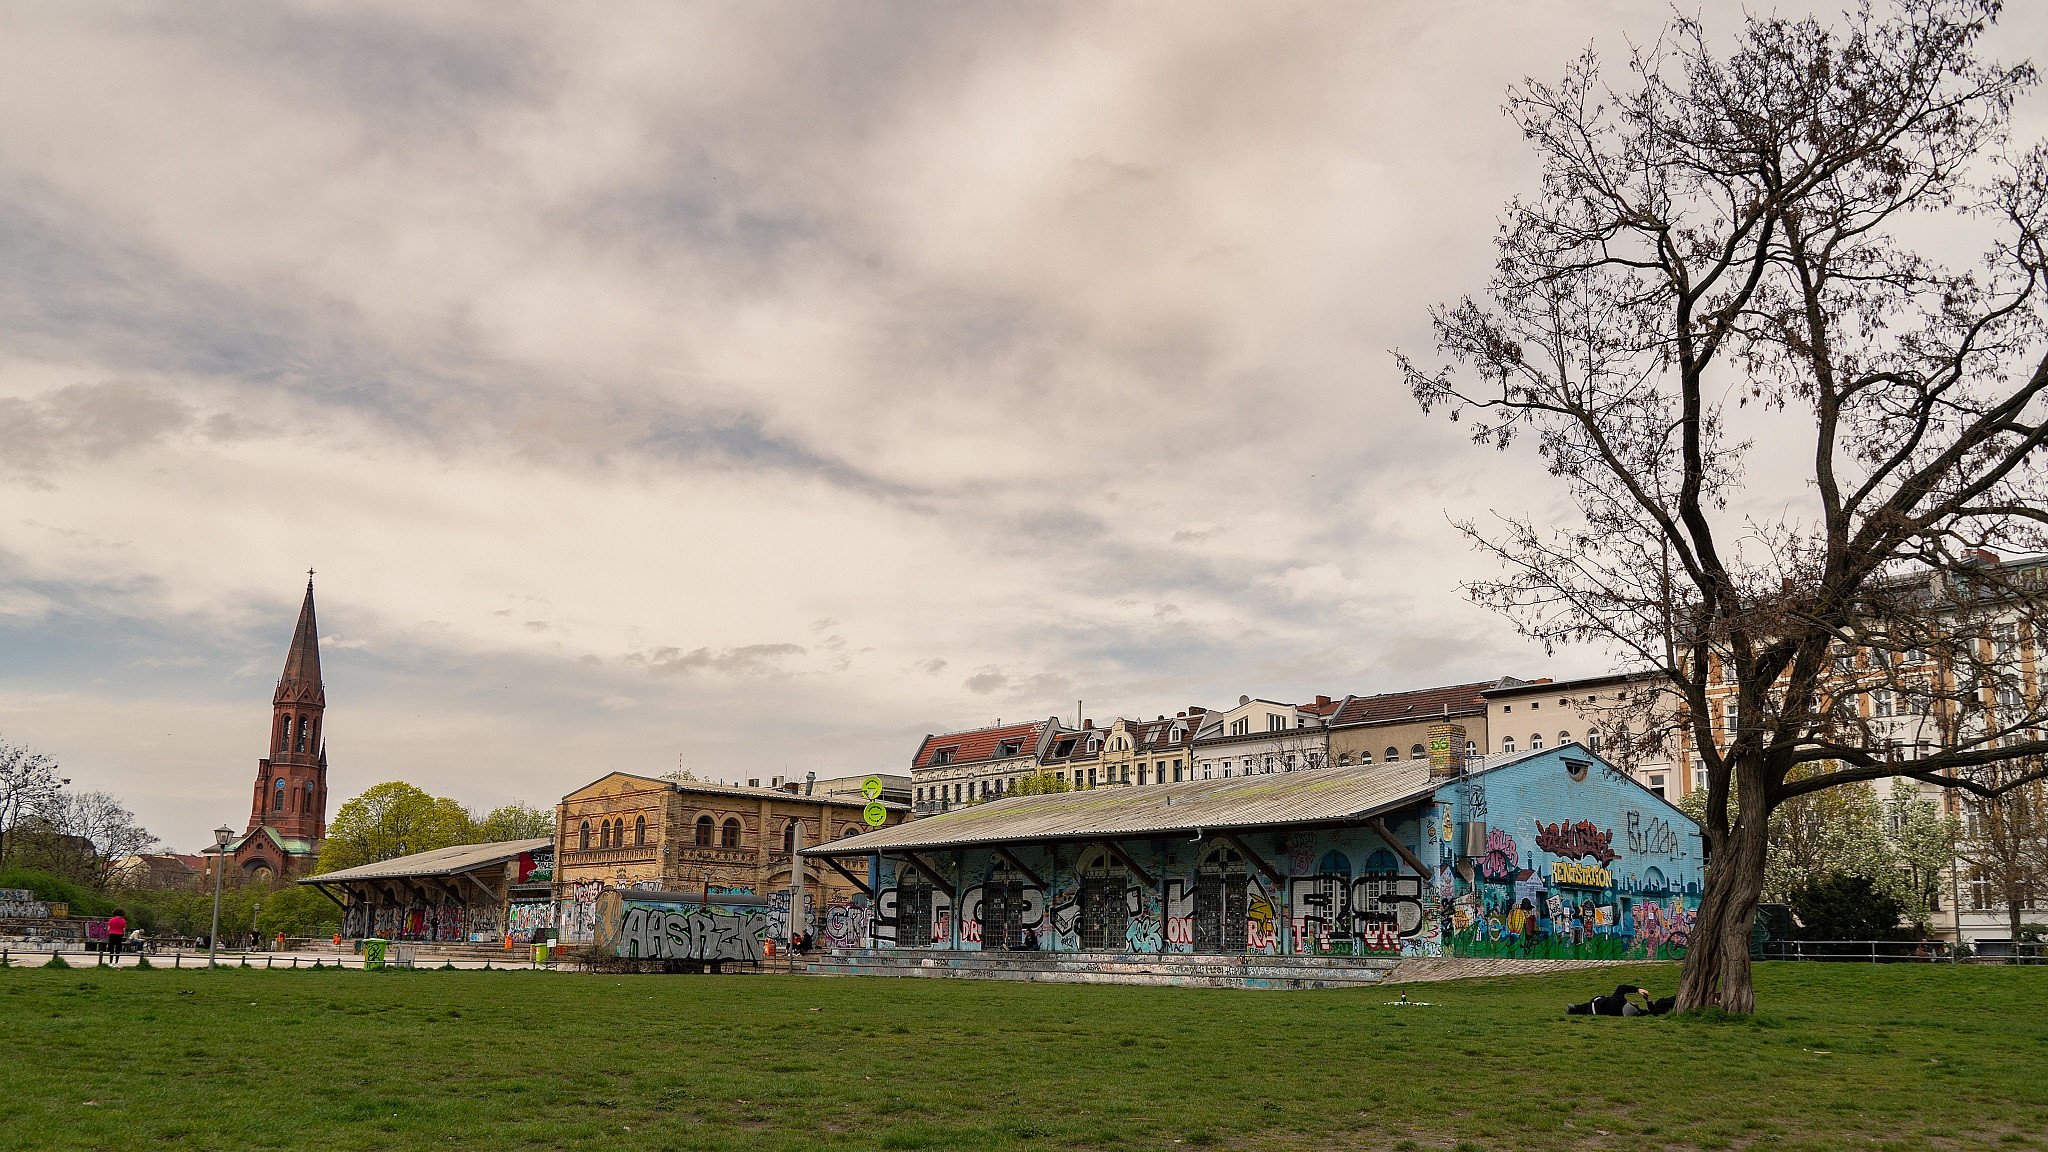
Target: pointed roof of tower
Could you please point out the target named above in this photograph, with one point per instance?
(301, 680)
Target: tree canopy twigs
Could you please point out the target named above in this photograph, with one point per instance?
(1796, 441)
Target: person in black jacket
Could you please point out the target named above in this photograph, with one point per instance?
(1616, 1003)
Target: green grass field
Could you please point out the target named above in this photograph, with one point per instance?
(1842, 1056)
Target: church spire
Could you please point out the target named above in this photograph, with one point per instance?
(301, 680)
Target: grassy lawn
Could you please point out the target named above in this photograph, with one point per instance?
(1892, 1056)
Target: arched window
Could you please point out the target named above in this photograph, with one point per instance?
(729, 836)
(604, 834)
(302, 734)
(789, 836)
(1343, 759)
(1507, 744)
(640, 832)
(1415, 752)
(308, 805)
(1535, 741)
(277, 804)
(1593, 740)
(284, 733)
(619, 832)
(706, 830)
(1365, 757)
(1471, 749)
(1563, 738)
(1393, 754)
(583, 840)
(849, 830)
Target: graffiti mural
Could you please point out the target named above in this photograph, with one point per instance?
(660, 932)
(1580, 841)
(847, 924)
(21, 904)
(529, 923)
(1374, 913)
(578, 912)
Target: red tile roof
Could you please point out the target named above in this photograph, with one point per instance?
(980, 743)
(1422, 704)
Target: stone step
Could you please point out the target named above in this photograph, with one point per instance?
(1180, 970)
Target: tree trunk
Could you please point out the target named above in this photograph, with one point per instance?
(1716, 972)
(2012, 912)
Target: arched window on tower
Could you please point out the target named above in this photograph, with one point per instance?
(284, 733)
(307, 799)
(583, 839)
(707, 830)
(729, 836)
(640, 832)
(301, 745)
(277, 804)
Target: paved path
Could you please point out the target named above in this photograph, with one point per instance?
(273, 960)
(1423, 969)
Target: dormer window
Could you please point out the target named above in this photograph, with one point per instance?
(1064, 747)
(943, 756)
(1009, 748)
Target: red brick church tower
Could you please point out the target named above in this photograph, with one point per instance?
(288, 813)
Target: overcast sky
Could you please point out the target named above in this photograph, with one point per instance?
(764, 383)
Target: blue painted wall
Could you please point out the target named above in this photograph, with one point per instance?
(1604, 866)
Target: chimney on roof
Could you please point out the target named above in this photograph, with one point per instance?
(1322, 701)
(1180, 715)
(1197, 710)
(810, 782)
(1087, 724)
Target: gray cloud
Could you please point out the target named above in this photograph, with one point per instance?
(748, 661)
(83, 422)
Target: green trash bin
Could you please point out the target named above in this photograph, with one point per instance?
(373, 953)
(540, 954)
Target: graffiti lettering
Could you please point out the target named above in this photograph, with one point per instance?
(699, 934)
(1580, 841)
(1502, 859)
(1580, 875)
(1652, 839)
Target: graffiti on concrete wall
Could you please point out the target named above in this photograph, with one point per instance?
(1377, 912)
(1653, 836)
(578, 912)
(1580, 841)
(657, 932)
(21, 904)
(528, 923)
(846, 924)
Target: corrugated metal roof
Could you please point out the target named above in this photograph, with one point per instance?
(439, 862)
(1321, 795)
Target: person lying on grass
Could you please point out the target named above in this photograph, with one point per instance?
(1616, 1003)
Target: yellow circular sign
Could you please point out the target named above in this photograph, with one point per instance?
(875, 814)
(871, 788)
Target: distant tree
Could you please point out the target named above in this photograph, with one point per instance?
(516, 821)
(1041, 784)
(103, 827)
(2005, 845)
(389, 820)
(28, 781)
(1842, 907)
(1723, 251)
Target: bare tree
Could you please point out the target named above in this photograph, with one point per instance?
(1719, 257)
(28, 782)
(86, 835)
(2006, 847)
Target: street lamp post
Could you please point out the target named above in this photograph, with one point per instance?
(221, 836)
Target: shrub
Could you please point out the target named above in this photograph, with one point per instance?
(1841, 907)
